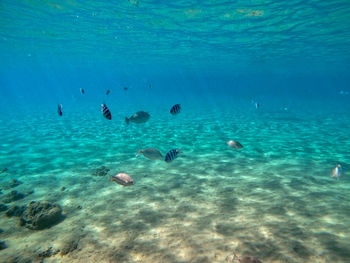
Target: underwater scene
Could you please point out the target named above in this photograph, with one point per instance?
(175, 131)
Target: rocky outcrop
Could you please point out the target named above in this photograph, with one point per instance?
(102, 171)
(3, 207)
(40, 215)
(37, 215)
(2, 245)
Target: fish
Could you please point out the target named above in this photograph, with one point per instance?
(126, 88)
(336, 172)
(245, 259)
(138, 117)
(82, 91)
(234, 144)
(106, 112)
(3, 170)
(172, 155)
(175, 109)
(59, 109)
(150, 153)
(123, 179)
(108, 91)
(256, 104)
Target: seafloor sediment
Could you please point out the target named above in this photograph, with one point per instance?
(273, 199)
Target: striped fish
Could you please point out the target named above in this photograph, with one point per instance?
(175, 109)
(59, 109)
(106, 112)
(172, 155)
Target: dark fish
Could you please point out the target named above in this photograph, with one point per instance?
(172, 155)
(234, 145)
(59, 109)
(138, 117)
(126, 88)
(3, 170)
(106, 112)
(175, 109)
(245, 259)
(107, 92)
(82, 91)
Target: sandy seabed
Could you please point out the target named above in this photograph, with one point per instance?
(273, 200)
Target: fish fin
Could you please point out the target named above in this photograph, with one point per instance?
(234, 257)
(138, 153)
(127, 120)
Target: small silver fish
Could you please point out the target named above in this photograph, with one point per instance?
(150, 153)
(336, 172)
(234, 144)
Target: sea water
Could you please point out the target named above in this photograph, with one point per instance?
(273, 200)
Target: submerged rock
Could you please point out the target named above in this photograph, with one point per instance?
(245, 259)
(102, 171)
(3, 207)
(2, 245)
(48, 252)
(37, 215)
(40, 215)
(12, 196)
(69, 246)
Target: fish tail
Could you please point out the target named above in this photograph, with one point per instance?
(234, 257)
(138, 153)
(127, 120)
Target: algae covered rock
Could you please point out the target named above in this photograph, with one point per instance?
(102, 171)
(2, 245)
(41, 215)
(3, 207)
(37, 215)
(69, 246)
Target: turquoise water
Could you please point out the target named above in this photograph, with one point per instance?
(273, 200)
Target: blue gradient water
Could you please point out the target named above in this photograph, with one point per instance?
(273, 200)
